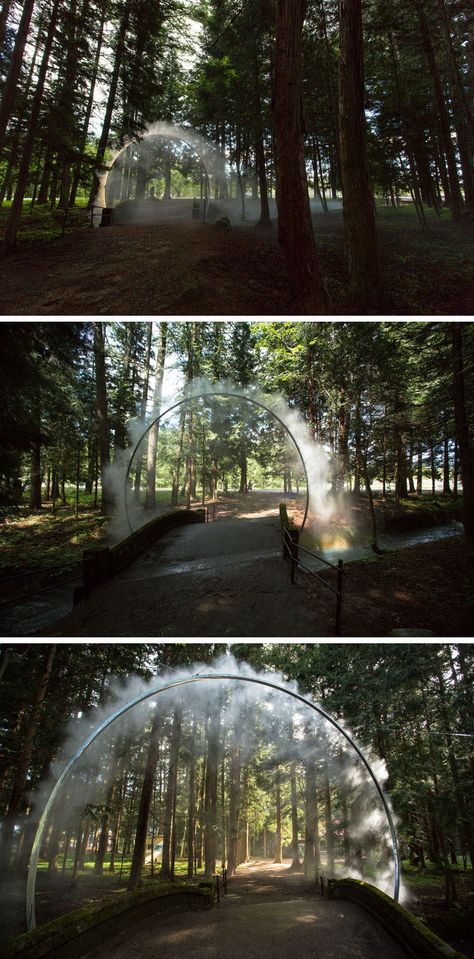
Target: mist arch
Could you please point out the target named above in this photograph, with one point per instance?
(196, 396)
(212, 160)
(155, 690)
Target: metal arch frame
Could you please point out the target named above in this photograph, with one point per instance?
(165, 136)
(155, 691)
(196, 396)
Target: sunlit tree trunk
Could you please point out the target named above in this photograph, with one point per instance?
(192, 804)
(278, 816)
(234, 806)
(295, 857)
(210, 808)
(104, 136)
(103, 432)
(150, 502)
(311, 841)
(167, 863)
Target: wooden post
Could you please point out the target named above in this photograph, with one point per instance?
(78, 472)
(294, 558)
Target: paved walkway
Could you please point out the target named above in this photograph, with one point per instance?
(269, 913)
(223, 578)
(222, 548)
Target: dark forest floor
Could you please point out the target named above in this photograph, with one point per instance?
(188, 268)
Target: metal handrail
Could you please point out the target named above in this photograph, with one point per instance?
(311, 552)
(24, 597)
(39, 569)
(207, 507)
(292, 549)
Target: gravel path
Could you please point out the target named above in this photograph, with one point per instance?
(268, 913)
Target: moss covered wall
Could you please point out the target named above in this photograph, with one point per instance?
(76, 934)
(409, 931)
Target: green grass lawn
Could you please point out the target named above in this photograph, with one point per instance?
(40, 224)
(122, 869)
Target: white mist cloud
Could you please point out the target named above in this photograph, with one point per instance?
(312, 453)
(258, 715)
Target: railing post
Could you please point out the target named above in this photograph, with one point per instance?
(340, 566)
(294, 558)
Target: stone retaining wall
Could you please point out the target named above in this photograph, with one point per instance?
(101, 564)
(410, 932)
(77, 934)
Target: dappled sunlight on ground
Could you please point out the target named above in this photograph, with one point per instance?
(29, 540)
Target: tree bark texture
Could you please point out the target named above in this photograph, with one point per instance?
(13, 222)
(368, 293)
(11, 83)
(150, 501)
(462, 431)
(295, 227)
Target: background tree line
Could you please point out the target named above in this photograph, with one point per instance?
(207, 790)
(386, 91)
(391, 402)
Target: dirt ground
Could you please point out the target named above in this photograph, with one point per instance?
(169, 268)
(186, 267)
(429, 587)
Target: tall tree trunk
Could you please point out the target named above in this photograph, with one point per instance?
(24, 757)
(278, 816)
(35, 475)
(13, 222)
(368, 292)
(4, 14)
(192, 804)
(234, 805)
(295, 227)
(89, 107)
(10, 87)
(330, 852)
(143, 406)
(102, 145)
(105, 823)
(462, 430)
(419, 471)
(311, 820)
(210, 808)
(146, 797)
(295, 855)
(150, 502)
(167, 862)
(456, 200)
(103, 431)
